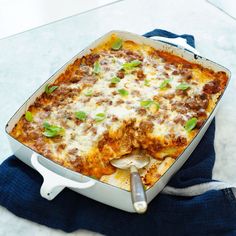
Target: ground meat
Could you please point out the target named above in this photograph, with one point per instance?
(97, 94)
(169, 96)
(146, 126)
(74, 79)
(140, 74)
(180, 141)
(120, 74)
(102, 100)
(112, 85)
(182, 92)
(120, 101)
(47, 108)
(212, 87)
(83, 70)
(101, 143)
(88, 80)
(199, 123)
(175, 72)
(203, 96)
(91, 58)
(179, 120)
(94, 130)
(179, 107)
(77, 121)
(166, 74)
(85, 100)
(34, 135)
(167, 66)
(141, 111)
(197, 102)
(87, 127)
(114, 118)
(133, 56)
(37, 103)
(188, 75)
(201, 113)
(61, 147)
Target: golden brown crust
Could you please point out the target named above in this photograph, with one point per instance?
(157, 126)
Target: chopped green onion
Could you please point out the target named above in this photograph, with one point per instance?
(164, 83)
(100, 117)
(183, 86)
(51, 131)
(115, 80)
(123, 92)
(81, 115)
(190, 124)
(96, 68)
(50, 89)
(131, 65)
(29, 116)
(88, 92)
(117, 44)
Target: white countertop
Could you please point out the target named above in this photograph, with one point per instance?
(28, 59)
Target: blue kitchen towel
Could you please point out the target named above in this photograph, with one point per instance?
(211, 213)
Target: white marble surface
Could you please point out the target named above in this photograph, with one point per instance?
(19, 16)
(28, 59)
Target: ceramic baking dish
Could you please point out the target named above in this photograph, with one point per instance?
(56, 177)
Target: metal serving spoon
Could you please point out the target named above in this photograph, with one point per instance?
(135, 162)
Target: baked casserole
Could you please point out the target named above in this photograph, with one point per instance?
(120, 98)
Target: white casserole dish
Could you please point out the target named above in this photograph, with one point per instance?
(56, 177)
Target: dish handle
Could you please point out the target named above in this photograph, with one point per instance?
(53, 183)
(179, 42)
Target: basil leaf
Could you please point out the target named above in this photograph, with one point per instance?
(80, 115)
(147, 82)
(51, 131)
(96, 68)
(29, 116)
(117, 44)
(88, 92)
(100, 117)
(190, 124)
(146, 103)
(183, 86)
(164, 83)
(131, 65)
(46, 125)
(123, 92)
(149, 103)
(115, 80)
(50, 89)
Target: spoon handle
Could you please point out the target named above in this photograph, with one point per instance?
(139, 198)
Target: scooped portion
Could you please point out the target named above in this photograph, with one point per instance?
(121, 97)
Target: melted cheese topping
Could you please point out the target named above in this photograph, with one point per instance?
(148, 108)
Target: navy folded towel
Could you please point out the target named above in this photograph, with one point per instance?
(211, 213)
